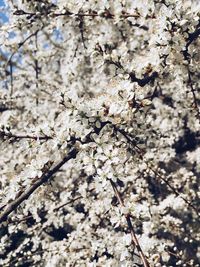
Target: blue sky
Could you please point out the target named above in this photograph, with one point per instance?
(2, 3)
(3, 17)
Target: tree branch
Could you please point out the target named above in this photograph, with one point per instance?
(190, 83)
(130, 226)
(54, 210)
(191, 38)
(106, 14)
(20, 45)
(141, 153)
(10, 207)
(10, 135)
(142, 82)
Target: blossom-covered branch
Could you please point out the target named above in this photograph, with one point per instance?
(9, 135)
(11, 206)
(130, 226)
(99, 97)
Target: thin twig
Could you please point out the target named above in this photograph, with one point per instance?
(67, 203)
(54, 210)
(130, 226)
(10, 135)
(173, 189)
(20, 45)
(106, 14)
(193, 93)
(141, 153)
(11, 78)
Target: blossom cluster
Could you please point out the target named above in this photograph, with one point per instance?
(100, 133)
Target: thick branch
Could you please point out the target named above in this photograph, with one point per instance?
(191, 38)
(10, 207)
(5, 108)
(142, 82)
(26, 194)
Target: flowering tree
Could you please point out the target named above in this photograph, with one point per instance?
(100, 133)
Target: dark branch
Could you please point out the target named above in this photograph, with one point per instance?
(191, 38)
(54, 210)
(9, 62)
(13, 136)
(142, 82)
(92, 13)
(130, 226)
(10, 207)
(106, 14)
(140, 152)
(190, 83)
